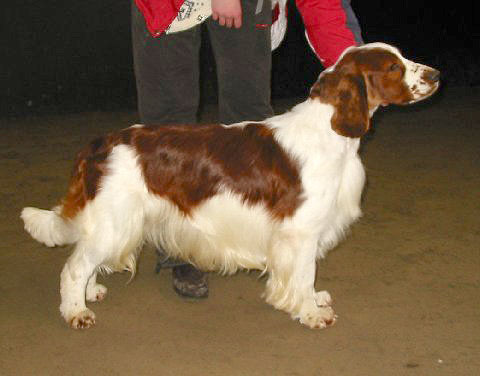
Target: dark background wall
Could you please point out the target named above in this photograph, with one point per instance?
(62, 56)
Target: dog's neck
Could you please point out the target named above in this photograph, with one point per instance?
(306, 131)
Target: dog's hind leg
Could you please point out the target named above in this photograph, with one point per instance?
(290, 286)
(95, 291)
(78, 269)
(112, 236)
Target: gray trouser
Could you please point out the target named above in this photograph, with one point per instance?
(167, 69)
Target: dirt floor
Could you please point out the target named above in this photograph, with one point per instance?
(405, 283)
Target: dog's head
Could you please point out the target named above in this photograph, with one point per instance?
(369, 76)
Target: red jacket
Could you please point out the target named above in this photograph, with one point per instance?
(330, 25)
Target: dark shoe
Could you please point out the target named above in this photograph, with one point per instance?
(190, 282)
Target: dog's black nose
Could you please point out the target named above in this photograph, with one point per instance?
(433, 75)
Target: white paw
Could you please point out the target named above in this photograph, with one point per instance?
(323, 299)
(82, 320)
(317, 317)
(96, 293)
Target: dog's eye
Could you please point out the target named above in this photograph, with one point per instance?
(395, 67)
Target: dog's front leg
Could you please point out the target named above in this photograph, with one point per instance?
(290, 286)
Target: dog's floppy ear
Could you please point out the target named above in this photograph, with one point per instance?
(347, 93)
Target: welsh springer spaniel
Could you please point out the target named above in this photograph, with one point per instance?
(272, 195)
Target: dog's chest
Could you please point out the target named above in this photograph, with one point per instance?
(333, 184)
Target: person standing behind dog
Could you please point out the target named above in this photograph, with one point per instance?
(242, 35)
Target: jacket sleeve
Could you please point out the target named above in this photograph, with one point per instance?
(158, 14)
(330, 26)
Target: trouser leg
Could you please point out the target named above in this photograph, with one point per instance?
(243, 60)
(167, 79)
(166, 72)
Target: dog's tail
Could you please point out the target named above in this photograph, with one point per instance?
(49, 227)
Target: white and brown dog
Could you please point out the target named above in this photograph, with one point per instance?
(272, 195)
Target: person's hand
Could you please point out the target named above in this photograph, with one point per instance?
(227, 13)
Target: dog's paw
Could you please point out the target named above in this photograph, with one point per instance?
(323, 299)
(316, 317)
(96, 293)
(82, 320)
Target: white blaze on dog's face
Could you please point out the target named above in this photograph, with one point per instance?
(422, 80)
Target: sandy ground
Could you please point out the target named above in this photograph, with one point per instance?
(406, 282)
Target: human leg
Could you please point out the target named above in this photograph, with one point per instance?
(166, 72)
(243, 60)
(167, 79)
